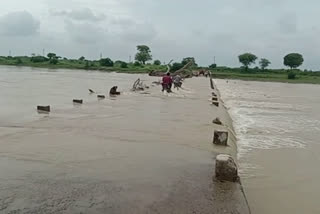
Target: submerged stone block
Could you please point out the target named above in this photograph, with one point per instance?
(214, 98)
(43, 108)
(220, 138)
(226, 168)
(216, 103)
(78, 101)
(217, 121)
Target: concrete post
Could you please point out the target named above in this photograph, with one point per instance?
(216, 103)
(217, 121)
(220, 138)
(214, 98)
(43, 108)
(226, 168)
(78, 101)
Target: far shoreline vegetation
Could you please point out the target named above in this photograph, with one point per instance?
(262, 73)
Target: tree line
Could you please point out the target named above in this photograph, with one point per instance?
(143, 55)
(292, 60)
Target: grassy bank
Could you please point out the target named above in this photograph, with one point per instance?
(274, 75)
(256, 74)
(81, 64)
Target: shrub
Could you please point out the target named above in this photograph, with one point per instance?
(291, 75)
(136, 63)
(124, 65)
(212, 66)
(54, 61)
(106, 62)
(176, 66)
(18, 61)
(37, 59)
(157, 62)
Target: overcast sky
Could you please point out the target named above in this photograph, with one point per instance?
(173, 29)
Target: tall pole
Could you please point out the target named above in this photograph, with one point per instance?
(214, 59)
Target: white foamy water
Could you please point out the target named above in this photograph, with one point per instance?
(277, 127)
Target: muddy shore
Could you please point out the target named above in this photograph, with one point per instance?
(137, 153)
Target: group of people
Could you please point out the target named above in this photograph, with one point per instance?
(168, 80)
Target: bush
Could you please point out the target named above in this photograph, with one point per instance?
(87, 65)
(136, 63)
(212, 66)
(157, 62)
(37, 59)
(124, 65)
(176, 66)
(54, 61)
(106, 62)
(291, 75)
(18, 61)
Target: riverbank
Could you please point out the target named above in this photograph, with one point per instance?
(313, 78)
(136, 153)
(301, 77)
(270, 75)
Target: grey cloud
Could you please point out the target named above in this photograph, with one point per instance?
(84, 14)
(288, 23)
(19, 24)
(123, 21)
(139, 32)
(85, 33)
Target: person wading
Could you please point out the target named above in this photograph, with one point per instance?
(167, 82)
(177, 81)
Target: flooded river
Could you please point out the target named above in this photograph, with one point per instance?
(278, 128)
(136, 153)
(152, 152)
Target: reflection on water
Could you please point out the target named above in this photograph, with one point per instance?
(277, 126)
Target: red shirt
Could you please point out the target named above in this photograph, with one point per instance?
(167, 80)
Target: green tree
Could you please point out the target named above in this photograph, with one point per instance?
(106, 62)
(187, 60)
(144, 54)
(293, 60)
(157, 62)
(212, 66)
(82, 58)
(176, 66)
(247, 59)
(51, 55)
(264, 63)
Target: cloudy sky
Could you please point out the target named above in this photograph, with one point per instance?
(172, 28)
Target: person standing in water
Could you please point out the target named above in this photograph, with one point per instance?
(167, 82)
(177, 81)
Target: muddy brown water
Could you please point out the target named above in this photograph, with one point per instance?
(135, 153)
(278, 130)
